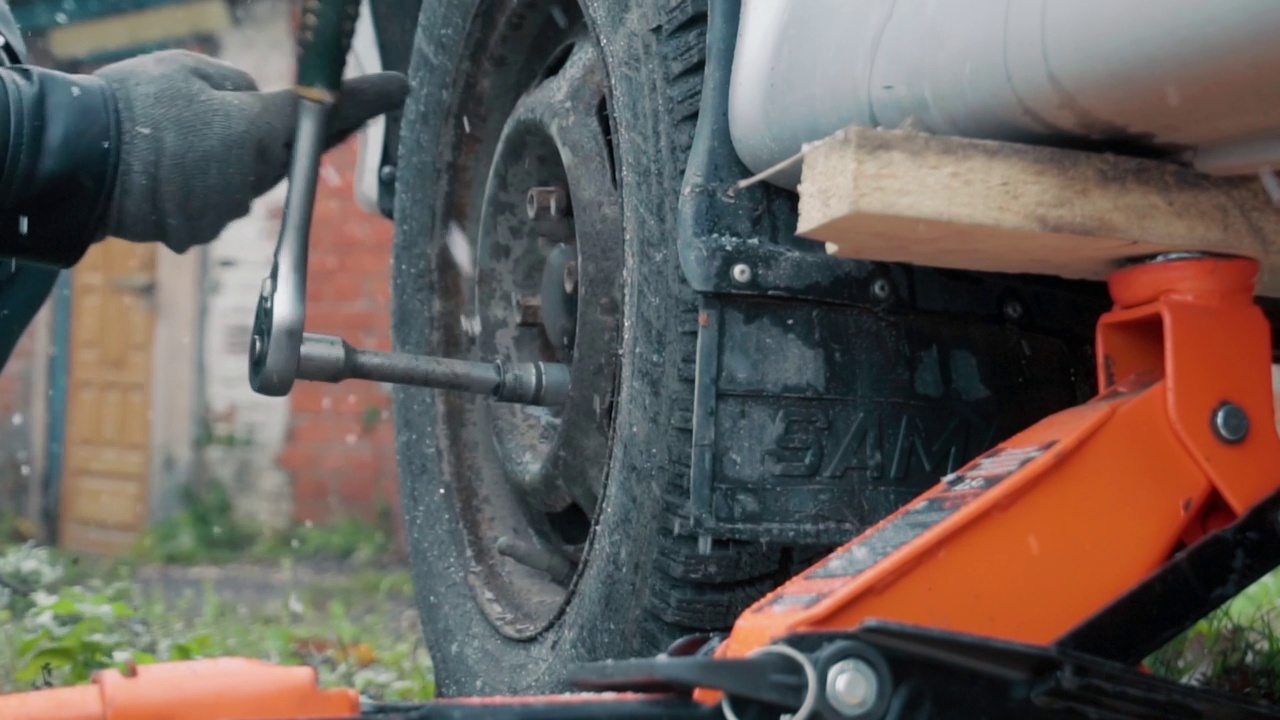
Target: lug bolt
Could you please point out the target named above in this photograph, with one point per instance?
(881, 289)
(571, 278)
(852, 687)
(546, 202)
(529, 311)
(742, 273)
(1230, 423)
(532, 556)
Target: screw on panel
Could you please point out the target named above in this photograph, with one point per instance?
(881, 289)
(742, 273)
(1230, 423)
(852, 687)
(387, 173)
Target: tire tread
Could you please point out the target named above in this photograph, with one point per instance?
(690, 591)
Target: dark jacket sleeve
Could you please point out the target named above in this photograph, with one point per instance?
(58, 158)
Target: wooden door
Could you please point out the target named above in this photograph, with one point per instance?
(104, 497)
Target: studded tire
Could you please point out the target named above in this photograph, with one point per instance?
(639, 586)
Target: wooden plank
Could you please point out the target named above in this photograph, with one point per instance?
(905, 196)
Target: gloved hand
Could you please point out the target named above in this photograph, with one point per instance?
(199, 141)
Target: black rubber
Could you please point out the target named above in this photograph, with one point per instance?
(641, 587)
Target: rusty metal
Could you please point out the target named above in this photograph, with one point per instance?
(529, 311)
(543, 202)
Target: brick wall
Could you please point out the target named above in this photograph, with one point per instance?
(340, 447)
(247, 431)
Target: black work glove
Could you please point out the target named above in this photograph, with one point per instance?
(199, 142)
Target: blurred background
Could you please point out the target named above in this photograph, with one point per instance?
(129, 395)
(152, 506)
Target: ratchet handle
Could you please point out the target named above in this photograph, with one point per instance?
(323, 43)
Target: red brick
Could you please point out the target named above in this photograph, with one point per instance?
(353, 488)
(312, 430)
(307, 486)
(339, 288)
(340, 462)
(329, 319)
(384, 433)
(375, 264)
(312, 510)
(309, 398)
(322, 266)
(293, 458)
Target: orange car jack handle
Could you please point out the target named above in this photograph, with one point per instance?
(1032, 538)
(212, 689)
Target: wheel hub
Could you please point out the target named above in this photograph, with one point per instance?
(559, 300)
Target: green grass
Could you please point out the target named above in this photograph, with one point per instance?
(60, 623)
(63, 617)
(1236, 649)
(206, 530)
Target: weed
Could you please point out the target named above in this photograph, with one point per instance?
(1235, 649)
(343, 539)
(55, 633)
(204, 530)
(207, 531)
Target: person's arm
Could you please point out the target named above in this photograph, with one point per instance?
(168, 147)
(58, 163)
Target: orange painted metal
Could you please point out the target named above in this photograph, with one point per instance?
(213, 689)
(1049, 527)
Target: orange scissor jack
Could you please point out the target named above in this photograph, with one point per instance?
(1029, 583)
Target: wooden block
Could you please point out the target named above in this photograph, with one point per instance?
(903, 196)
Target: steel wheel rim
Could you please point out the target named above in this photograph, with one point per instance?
(528, 480)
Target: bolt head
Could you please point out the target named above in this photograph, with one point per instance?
(881, 289)
(387, 173)
(529, 311)
(571, 278)
(1013, 309)
(852, 687)
(1230, 423)
(742, 273)
(546, 202)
